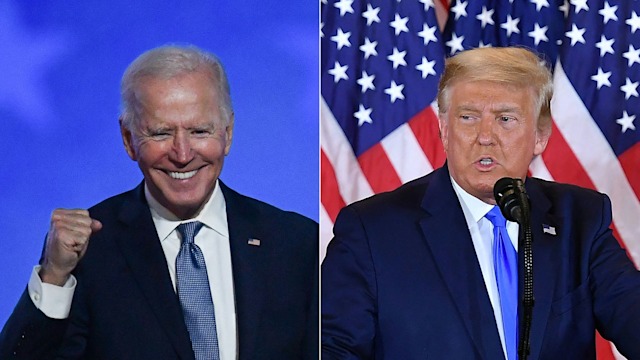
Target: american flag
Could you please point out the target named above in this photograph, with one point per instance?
(380, 65)
(380, 62)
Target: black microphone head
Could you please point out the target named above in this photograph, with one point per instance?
(506, 194)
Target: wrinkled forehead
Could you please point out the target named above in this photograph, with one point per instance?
(176, 91)
(493, 91)
(177, 99)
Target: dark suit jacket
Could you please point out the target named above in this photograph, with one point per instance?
(401, 279)
(125, 307)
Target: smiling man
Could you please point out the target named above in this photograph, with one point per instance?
(184, 133)
(181, 267)
(430, 270)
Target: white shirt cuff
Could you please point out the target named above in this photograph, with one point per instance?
(54, 301)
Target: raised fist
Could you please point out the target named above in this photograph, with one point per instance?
(67, 243)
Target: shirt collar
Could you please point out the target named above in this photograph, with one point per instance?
(474, 209)
(213, 215)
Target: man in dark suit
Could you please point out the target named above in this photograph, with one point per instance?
(413, 273)
(127, 279)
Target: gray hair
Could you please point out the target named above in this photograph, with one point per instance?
(167, 62)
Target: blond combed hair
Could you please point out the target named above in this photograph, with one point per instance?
(512, 66)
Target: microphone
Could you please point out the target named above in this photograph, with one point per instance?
(513, 201)
(510, 196)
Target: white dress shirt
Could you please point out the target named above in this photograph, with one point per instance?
(481, 231)
(213, 239)
(54, 301)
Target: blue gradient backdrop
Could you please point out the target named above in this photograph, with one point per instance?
(61, 64)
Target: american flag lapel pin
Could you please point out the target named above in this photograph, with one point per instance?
(254, 242)
(547, 229)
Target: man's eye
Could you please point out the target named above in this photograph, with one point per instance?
(200, 132)
(159, 135)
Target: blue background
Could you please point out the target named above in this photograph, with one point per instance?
(60, 69)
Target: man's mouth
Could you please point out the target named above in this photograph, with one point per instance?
(182, 175)
(486, 161)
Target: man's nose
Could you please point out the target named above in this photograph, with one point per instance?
(486, 130)
(182, 151)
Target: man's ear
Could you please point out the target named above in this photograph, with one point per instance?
(444, 130)
(127, 140)
(228, 135)
(542, 139)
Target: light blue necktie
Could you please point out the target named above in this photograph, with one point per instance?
(195, 294)
(505, 266)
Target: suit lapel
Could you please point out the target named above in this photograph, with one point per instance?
(141, 248)
(249, 270)
(446, 234)
(546, 261)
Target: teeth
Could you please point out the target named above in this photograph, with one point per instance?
(182, 175)
(486, 161)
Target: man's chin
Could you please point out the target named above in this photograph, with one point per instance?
(180, 204)
(486, 183)
(185, 210)
(484, 190)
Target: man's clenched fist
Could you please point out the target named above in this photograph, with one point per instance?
(67, 242)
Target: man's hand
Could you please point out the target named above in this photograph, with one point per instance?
(67, 242)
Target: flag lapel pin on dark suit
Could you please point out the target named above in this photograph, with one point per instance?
(254, 242)
(547, 229)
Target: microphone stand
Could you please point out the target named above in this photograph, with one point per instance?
(526, 240)
(513, 201)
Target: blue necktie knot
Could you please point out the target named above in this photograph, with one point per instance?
(189, 230)
(496, 217)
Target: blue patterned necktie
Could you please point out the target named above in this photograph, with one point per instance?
(505, 265)
(194, 293)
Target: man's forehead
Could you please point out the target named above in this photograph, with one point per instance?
(493, 94)
(481, 83)
(151, 122)
(498, 105)
(177, 91)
